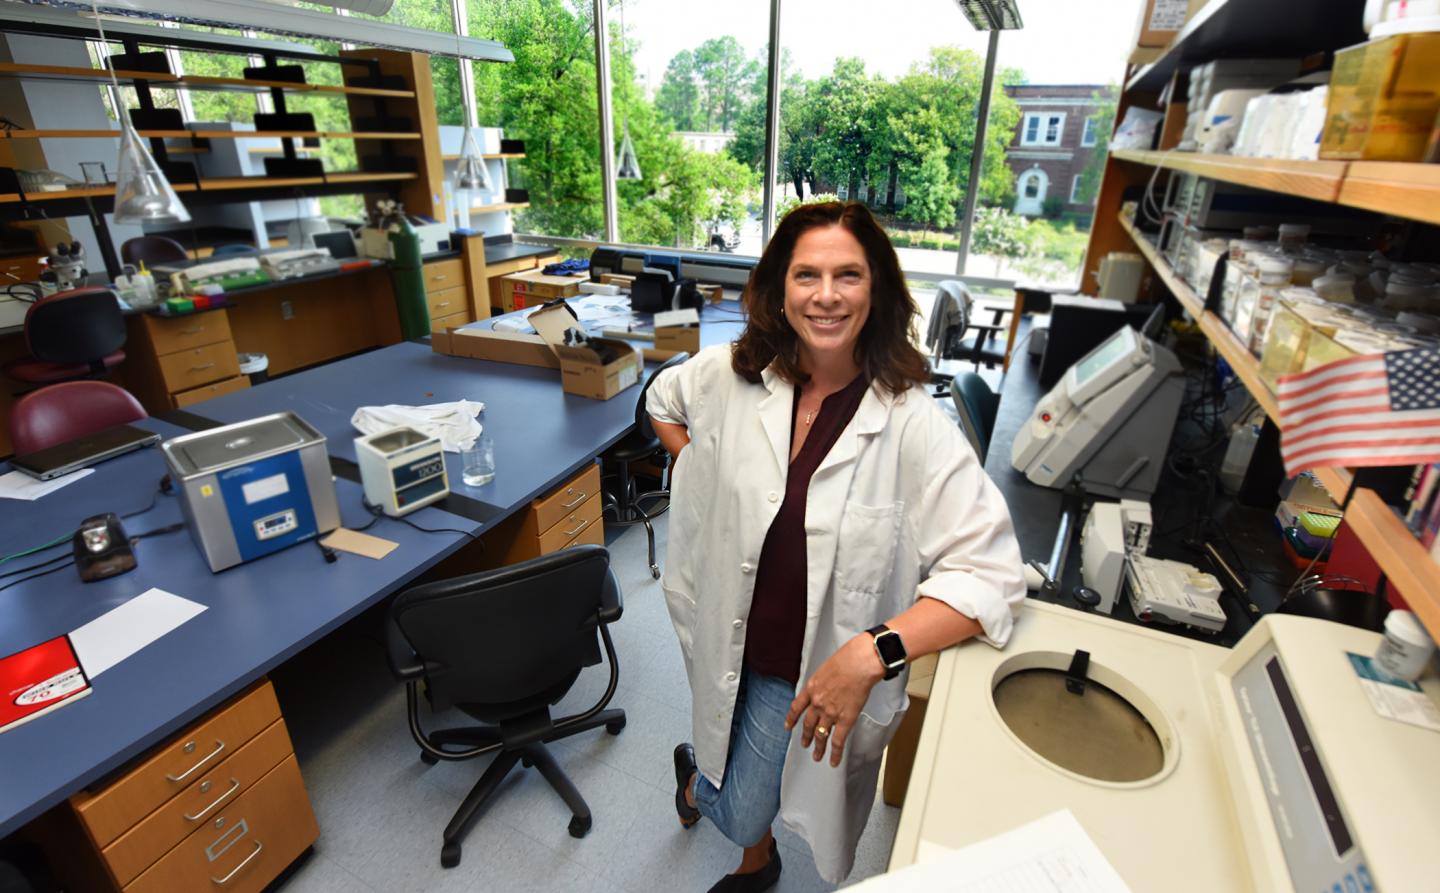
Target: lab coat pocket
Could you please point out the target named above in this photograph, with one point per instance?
(682, 617)
(868, 740)
(865, 556)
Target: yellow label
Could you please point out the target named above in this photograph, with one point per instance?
(207, 491)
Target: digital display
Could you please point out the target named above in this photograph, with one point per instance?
(265, 488)
(1103, 356)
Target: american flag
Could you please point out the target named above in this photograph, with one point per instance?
(1380, 409)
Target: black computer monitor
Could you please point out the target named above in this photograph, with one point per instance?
(1079, 324)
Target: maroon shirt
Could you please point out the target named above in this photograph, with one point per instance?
(777, 610)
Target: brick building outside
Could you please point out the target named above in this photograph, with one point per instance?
(1053, 144)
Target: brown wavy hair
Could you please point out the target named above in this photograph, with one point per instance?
(885, 350)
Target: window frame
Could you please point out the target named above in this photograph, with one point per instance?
(1088, 137)
(1042, 121)
(1074, 187)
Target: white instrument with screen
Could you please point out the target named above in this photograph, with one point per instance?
(1107, 424)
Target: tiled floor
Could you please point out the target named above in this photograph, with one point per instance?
(381, 810)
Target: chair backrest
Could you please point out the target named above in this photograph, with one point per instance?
(957, 302)
(78, 326)
(507, 639)
(234, 249)
(976, 405)
(69, 410)
(152, 250)
(642, 418)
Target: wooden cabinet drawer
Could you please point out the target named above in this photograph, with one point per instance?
(25, 268)
(441, 323)
(184, 332)
(593, 535)
(443, 274)
(205, 799)
(447, 302)
(571, 526)
(173, 767)
(205, 392)
(244, 847)
(565, 499)
(202, 365)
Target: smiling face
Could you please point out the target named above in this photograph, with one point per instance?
(827, 296)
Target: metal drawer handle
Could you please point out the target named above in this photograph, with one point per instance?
(202, 368)
(195, 331)
(222, 881)
(443, 304)
(439, 277)
(579, 499)
(234, 786)
(583, 525)
(219, 746)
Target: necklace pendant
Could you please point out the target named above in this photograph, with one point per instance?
(808, 417)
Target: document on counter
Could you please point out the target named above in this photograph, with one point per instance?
(1049, 855)
(19, 485)
(115, 635)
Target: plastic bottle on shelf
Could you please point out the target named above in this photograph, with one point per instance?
(1294, 235)
(1238, 453)
(1336, 287)
(1274, 274)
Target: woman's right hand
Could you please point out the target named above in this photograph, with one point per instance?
(673, 437)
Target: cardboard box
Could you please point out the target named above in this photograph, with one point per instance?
(581, 371)
(678, 331)
(532, 288)
(1161, 20)
(1384, 98)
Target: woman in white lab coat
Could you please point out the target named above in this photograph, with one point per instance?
(829, 523)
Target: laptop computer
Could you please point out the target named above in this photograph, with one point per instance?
(73, 455)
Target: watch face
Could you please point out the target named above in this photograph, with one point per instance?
(890, 648)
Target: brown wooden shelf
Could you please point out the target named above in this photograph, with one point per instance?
(223, 184)
(502, 206)
(189, 82)
(486, 155)
(1237, 355)
(1407, 564)
(1404, 190)
(1318, 180)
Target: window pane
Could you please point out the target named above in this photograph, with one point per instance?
(432, 15)
(213, 105)
(1038, 229)
(546, 98)
(688, 84)
(887, 101)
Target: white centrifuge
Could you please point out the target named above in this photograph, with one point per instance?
(1193, 767)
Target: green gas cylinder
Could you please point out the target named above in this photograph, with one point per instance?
(408, 279)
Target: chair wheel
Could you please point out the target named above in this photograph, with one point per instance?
(428, 758)
(655, 571)
(450, 855)
(614, 727)
(579, 826)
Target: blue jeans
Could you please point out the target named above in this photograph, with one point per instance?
(745, 805)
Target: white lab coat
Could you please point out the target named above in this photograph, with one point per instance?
(898, 509)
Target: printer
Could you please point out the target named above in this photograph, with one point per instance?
(229, 273)
(297, 262)
(1107, 424)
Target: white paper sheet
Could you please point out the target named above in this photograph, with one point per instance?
(19, 485)
(110, 638)
(1049, 855)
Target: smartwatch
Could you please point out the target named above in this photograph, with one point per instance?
(890, 648)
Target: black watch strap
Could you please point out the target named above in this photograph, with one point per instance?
(890, 648)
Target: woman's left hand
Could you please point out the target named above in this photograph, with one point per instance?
(831, 699)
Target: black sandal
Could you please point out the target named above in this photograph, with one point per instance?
(756, 882)
(684, 771)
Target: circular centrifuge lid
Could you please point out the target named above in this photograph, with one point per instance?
(1097, 735)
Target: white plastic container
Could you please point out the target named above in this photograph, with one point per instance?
(1406, 648)
(1274, 276)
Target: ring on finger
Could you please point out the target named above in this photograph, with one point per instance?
(821, 731)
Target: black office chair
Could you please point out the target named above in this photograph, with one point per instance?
(153, 250)
(71, 334)
(504, 646)
(977, 407)
(953, 333)
(622, 493)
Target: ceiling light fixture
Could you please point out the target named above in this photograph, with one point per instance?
(992, 15)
